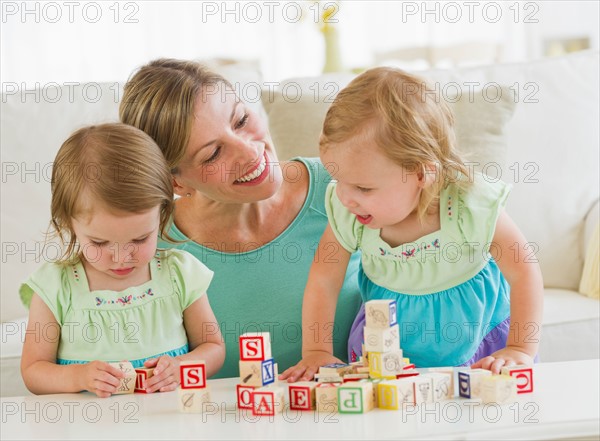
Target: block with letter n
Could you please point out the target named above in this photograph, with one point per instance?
(255, 346)
(193, 374)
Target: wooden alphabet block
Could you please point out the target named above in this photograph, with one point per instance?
(500, 389)
(244, 396)
(302, 395)
(192, 374)
(327, 399)
(257, 373)
(335, 369)
(381, 313)
(267, 400)
(469, 382)
(192, 400)
(255, 346)
(392, 394)
(423, 388)
(524, 376)
(354, 377)
(445, 370)
(127, 384)
(382, 340)
(329, 378)
(441, 385)
(385, 364)
(142, 375)
(355, 397)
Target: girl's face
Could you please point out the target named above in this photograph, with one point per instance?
(379, 192)
(117, 245)
(230, 155)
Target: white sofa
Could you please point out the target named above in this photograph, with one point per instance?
(542, 137)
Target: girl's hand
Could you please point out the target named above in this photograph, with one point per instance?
(101, 378)
(504, 357)
(306, 369)
(166, 374)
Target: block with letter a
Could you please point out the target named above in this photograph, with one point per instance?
(255, 346)
(193, 374)
(267, 400)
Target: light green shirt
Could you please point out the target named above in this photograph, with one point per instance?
(435, 262)
(134, 324)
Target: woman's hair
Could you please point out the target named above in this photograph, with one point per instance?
(159, 99)
(112, 165)
(409, 121)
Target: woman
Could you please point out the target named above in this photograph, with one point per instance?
(254, 221)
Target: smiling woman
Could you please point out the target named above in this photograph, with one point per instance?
(254, 221)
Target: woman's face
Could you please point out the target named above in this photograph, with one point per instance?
(230, 155)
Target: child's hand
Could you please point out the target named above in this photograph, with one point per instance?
(308, 366)
(166, 374)
(504, 357)
(101, 378)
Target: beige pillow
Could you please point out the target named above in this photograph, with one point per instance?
(295, 121)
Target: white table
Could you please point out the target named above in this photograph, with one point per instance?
(565, 404)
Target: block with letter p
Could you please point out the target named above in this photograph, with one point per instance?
(193, 374)
(255, 346)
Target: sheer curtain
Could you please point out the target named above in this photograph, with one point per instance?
(59, 42)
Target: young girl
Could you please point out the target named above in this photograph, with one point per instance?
(433, 237)
(112, 296)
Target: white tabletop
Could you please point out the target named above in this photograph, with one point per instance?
(565, 404)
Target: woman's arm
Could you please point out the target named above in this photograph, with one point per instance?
(205, 343)
(325, 281)
(40, 372)
(516, 260)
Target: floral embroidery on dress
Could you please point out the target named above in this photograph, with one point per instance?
(75, 273)
(412, 252)
(125, 300)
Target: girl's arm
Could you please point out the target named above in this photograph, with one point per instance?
(205, 343)
(325, 281)
(516, 260)
(40, 372)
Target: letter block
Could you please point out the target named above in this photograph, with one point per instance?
(193, 374)
(255, 346)
(142, 375)
(386, 364)
(441, 385)
(257, 373)
(267, 401)
(500, 389)
(326, 396)
(244, 396)
(302, 395)
(192, 400)
(127, 384)
(423, 389)
(469, 382)
(392, 394)
(381, 313)
(335, 369)
(445, 370)
(382, 340)
(355, 397)
(524, 376)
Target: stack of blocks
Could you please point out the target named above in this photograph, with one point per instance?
(257, 390)
(193, 391)
(382, 339)
(134, 380)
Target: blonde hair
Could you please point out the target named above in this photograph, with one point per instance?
(159, 99)
(409, 121)
(112, 164)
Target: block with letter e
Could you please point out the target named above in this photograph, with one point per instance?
(302, 395)
(193, 374)
(255, 346)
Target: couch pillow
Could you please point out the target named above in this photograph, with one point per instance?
(296, 113)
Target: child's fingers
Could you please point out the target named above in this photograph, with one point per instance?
(296, 373)
(309, 373)
(163, 383)
(111, 370)
(496, 365)
(285, 374)
(151, 362)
